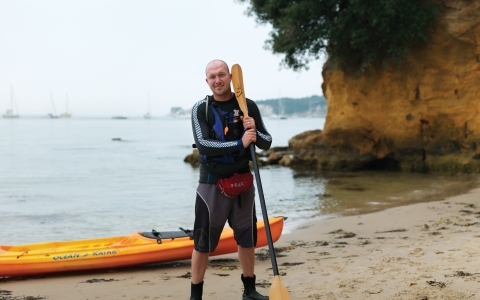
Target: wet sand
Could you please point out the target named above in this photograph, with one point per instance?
(419, 251)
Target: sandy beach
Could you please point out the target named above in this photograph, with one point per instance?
(420, 251)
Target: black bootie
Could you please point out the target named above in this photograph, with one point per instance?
(250, 292)
(196, 291)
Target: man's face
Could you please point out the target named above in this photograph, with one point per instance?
(218, 79)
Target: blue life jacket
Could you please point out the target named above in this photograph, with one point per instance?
(218, 128)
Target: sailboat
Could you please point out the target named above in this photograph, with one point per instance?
(66, 114)
(54, 114)
(281, 111)
(148, 115)
(9, 113)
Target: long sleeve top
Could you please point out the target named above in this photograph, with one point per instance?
(222, 155)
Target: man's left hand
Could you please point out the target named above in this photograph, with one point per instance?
(248, 123)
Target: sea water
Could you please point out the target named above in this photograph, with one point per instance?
(80, 178)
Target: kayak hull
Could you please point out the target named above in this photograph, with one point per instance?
(114, 252)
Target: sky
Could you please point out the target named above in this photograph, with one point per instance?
(119, 57)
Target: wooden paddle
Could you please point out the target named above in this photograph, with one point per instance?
(277, 290)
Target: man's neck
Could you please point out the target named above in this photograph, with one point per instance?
(223, 98)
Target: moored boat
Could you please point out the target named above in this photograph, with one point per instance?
(10, 114)
(121, 251)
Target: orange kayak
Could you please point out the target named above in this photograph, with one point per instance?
(121, 251)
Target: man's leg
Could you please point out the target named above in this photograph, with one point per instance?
(211, 212)
(199, 266)
(244, 223)
(247, 260)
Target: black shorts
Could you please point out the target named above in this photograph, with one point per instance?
(213, 209)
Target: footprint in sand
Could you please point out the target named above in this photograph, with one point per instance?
(417, 252)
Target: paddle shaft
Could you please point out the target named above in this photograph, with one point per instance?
(264, 209)
(239, 90)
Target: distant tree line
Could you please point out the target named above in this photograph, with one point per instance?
(314, 106)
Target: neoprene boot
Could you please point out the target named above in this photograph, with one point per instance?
(196, 291)
(250, 292)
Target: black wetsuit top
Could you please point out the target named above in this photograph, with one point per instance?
(212, 150)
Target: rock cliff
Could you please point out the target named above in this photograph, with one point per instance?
(420, 116)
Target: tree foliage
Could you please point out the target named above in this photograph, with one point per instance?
(353, 33)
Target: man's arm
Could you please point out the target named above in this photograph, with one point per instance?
(264, 139)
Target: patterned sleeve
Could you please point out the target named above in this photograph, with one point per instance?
(264, 139)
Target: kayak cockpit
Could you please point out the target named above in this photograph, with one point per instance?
(159, 236)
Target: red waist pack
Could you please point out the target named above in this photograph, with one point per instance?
(235, 185)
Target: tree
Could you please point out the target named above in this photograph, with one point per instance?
(353, 33)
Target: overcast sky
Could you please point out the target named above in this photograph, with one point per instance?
(110, 55)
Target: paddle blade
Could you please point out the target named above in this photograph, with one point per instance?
(278, 291)
(238, 89)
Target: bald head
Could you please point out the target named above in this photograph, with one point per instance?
(218, 79)
(215, 64)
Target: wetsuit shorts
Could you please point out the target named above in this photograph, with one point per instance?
(213, 209)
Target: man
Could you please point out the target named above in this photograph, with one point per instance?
(223, 135)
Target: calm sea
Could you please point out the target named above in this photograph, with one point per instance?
(66, 179)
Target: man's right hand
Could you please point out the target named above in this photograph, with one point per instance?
(250, 136)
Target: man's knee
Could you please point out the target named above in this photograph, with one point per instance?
(201, 241)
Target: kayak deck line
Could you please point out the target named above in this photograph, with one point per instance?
(136, 248)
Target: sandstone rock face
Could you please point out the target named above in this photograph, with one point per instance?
(421, 116)
(274, 158)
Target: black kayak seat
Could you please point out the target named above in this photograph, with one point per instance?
(159, 236)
